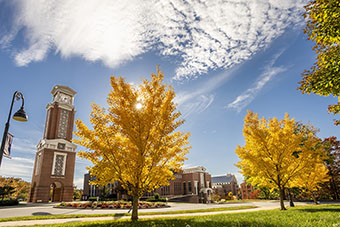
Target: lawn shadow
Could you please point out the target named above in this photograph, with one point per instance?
(41, 213)
(117, 216)
(313, 210)
(183, 223)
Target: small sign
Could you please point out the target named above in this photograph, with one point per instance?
(8, 144)
(61, 146)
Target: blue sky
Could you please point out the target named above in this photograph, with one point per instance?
(222, 58)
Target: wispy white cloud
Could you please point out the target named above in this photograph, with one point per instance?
(196, 105)
(248, 96)
(23, 145)
(202, 35)
(201, 98)
(17, 167)
(207, 87)
(23, 160)
(209, 132)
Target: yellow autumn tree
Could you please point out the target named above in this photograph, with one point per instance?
(310, 181)
(134, 141)
(20, 188)
(276, 152)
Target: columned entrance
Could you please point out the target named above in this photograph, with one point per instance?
(56, 192)
(205, 195)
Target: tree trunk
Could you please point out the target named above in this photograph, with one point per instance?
(334, 188)
(134, 216)
(284, 194)
(282, 205)
(291, 203)
(314, 198)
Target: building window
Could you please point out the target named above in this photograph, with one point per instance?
(165, 190)
(184, 188)
(37, 165)
(63, 122)
(93, 190)
(189, 187)
(178, 188)
(59, 163)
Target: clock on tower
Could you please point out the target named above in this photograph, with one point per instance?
(53, 172)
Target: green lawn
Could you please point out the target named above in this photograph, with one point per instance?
(42, 217)
(321, 215)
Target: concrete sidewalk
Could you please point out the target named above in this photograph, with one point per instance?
(47, 209)
(72, 220)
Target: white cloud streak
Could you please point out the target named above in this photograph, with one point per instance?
(202, 35)
(196, 105)
(248, 96)
(17, 167)
(23, 145)
(201, 98)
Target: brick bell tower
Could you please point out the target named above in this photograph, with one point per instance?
(52, 178)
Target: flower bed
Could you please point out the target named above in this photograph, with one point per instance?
(111, 205)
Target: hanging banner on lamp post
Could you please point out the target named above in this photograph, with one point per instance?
(8, 144)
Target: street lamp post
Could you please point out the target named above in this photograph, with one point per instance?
(20, 115)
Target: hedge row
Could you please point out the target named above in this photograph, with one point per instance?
(9, 202)
(156, 200)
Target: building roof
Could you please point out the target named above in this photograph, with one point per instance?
(222, 179)
(195, 169)
(64, 89)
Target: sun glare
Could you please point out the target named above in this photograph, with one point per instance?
(138, 106)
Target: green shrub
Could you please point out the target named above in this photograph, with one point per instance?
(63, 204)
(153, 199)
(215, 197)
(156, 196)
(9, 202)
(92, 198)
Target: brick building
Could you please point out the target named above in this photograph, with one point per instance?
(113, 191)
(246, 190)
(225, 184)
(191, 185)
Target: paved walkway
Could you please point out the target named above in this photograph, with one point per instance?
(47, 209)
(175, 206)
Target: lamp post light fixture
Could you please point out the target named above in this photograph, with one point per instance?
(20, 115)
